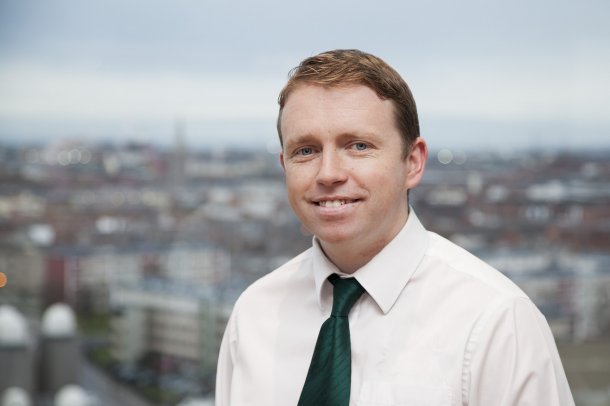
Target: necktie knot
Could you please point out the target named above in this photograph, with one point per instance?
(346, 292)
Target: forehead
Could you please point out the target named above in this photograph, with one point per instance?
(315, 105)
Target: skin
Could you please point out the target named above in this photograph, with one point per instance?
(341, 145)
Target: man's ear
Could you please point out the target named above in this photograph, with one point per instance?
(416, 162)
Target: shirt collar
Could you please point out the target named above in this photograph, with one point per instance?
(384, 276)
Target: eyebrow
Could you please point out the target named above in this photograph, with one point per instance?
(309, 137)
(299, 139)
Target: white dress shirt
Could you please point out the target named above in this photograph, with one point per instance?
(436, 326)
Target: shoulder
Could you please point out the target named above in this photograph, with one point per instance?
(469, 284)
(470, 270)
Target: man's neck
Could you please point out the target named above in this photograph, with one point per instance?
(347, 259)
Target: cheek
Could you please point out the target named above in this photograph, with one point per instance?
(379, 175)
(291, 177)
(295, 184)
(387, 182)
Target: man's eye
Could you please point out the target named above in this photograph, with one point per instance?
(360, 146)
(305, 151)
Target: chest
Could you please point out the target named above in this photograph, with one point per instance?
(406, 356)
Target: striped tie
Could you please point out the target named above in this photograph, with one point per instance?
(329, 377)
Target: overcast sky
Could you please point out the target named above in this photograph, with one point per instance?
(484, 73)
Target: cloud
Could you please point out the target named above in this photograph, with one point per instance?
(40, 92)
(470, 88)
(75, 63)
(523, 89)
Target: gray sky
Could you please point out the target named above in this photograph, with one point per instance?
(485, 74)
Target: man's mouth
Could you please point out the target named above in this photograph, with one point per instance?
(334, 203)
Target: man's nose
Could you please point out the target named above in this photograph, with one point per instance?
(332, 168)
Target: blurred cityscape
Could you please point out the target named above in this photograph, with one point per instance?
(120, 263)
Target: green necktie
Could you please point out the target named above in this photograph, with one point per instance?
(329, 377)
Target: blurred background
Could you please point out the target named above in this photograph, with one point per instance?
(140, 189)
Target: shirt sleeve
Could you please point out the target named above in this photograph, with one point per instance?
(224, 370)
(511, 359)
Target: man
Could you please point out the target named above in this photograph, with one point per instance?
(429, 323)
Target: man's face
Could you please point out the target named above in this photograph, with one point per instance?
(343, 159)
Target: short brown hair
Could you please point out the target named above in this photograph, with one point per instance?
(345, 67)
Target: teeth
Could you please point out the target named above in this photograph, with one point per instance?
(332, 203)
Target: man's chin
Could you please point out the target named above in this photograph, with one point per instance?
(335, 238)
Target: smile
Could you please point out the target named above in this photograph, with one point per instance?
(334, 203)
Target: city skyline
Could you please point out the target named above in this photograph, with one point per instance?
(151, 247)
